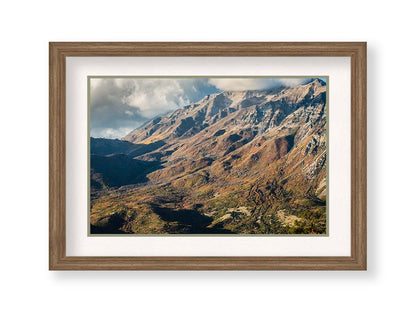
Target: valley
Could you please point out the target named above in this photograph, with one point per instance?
(236, 162)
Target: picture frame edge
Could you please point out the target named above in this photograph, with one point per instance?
(58, 51)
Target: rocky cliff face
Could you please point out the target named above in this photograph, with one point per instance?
(238, 162)
(234, 109)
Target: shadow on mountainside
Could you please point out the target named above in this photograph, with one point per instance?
(190, 221)
(108, 225)
(118, 170)
(106, 147)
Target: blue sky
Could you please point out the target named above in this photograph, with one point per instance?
(119, 105)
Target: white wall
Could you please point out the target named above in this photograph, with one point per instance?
(27, 26)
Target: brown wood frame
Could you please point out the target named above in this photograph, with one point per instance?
(58, 51)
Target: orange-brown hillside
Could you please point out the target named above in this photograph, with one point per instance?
(241, 162)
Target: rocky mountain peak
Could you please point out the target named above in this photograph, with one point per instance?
(247, 108)
(234, 162)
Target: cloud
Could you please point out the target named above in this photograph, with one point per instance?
(121, 105)
(157, 96)
(242, 84)
(110, 116)
(293, 82)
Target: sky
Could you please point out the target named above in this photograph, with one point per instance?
(120, 105)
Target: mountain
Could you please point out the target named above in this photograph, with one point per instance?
(104, 147)
(233, 162)
(118, 170)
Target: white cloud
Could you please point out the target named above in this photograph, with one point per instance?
(242, 84)
(123, 104)
(153, 96)
(293, 82)
(110, 133)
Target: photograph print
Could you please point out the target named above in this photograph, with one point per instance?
(208, 155)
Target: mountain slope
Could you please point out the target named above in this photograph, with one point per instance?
(118, 170)
(104, 147)
(242, 162)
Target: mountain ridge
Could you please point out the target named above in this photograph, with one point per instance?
(214, 107)
(262, 150)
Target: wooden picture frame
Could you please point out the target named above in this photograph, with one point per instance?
(59, 51)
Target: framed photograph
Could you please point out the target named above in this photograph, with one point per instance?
(207, 156)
